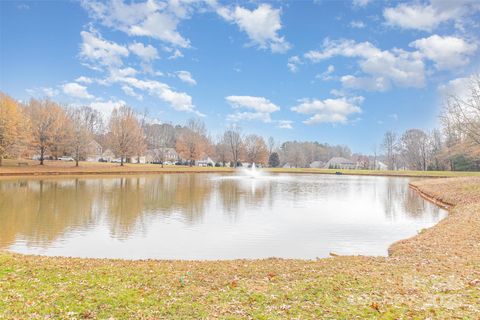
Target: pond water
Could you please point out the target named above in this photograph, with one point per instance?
(210, 216)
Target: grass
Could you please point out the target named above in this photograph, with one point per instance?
(11, 168)
(435, 275)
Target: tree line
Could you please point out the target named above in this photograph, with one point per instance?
(455, 146)
(46, 128)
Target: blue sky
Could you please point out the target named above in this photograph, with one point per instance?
(341, 72)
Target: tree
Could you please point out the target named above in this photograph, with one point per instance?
(159, 138)
(192, 143)
(81, 134)
(436, 146)
(271, 145)
(293, 154)
(92, 120)
(415, 149)
(48, 122)
(390, 147)
(274, 160)
(222, 153)
(232, 137)
(255, 149)
(125, 133)
(461, 114)
(12, 125)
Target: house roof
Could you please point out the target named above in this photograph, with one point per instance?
(339, 160)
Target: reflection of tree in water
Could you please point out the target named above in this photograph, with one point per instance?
(236, 194)
(40, 211)
(131, 201)
(124, 204)
(400, 199)
(192, 193)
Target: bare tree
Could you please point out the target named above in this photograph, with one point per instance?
(415, 149)
(256, 149)
(222, 153)
(47, 121)
(81, 135)
(92, 119)
(13, 125)
(436, 146)
(292, 153)
(390, 147)
(271, 145)
(462, 115)
(159, 138)
(125, 133)
(192, 143)
(232, 137)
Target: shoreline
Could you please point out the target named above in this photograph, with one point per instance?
(135, 169)
(440, 260)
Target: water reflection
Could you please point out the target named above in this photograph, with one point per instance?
(210, 216)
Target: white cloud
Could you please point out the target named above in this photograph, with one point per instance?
(357, 24)
(346, 48)
(361, 3)
(428, 16)
(151, 18)
(98, 50)
(285, 124)
(447, 52)
(259, 104)
(106, 107)
(403, 68)
(43, 91)
(327, 74)
(130, 92)
(394, 116)
(84, 79)
(179, 101)
(249, 116)
(366, 83)
(261, 25)
(186, 77)
(76, 90)
(293, 63)
(262, 108)
(175, 55)
(329, 110)
(459, 87)
(146, 53)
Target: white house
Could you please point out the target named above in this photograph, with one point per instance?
(94, 151)
(205, 162)
(340, 163)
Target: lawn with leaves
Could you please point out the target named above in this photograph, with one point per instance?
(11, 168)
(435, 275)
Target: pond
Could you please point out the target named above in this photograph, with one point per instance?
(210, 216)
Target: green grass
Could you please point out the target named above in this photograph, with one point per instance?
(405, 173)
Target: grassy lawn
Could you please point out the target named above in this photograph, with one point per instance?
(435, 275)
(10, 167)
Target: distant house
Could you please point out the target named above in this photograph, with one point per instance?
(155, 155)
(94, 151)
(317, 164)
(381, 166)
(171, 154)
(205, 162)
(137, 159)
(108, 155)
(340, 163)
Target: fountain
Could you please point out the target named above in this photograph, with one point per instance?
(252, 173)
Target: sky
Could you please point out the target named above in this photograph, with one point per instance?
(341, 72)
